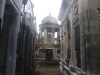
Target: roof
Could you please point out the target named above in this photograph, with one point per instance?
(49, 19)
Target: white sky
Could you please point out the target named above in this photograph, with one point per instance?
(42, 8)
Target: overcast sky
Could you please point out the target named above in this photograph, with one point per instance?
(42, 8)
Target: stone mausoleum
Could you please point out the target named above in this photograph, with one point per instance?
(50, 38)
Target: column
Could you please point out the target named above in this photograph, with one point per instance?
(53, 36)
(58, 35)
(40, 33)
(45, 35)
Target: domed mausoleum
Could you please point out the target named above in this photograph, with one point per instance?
(50, 19)
(49, 35)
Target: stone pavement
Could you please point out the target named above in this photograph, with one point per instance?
(47, 70)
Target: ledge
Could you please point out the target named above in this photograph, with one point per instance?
(67, 69)
(77, 70)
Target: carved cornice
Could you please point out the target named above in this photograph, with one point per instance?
(72, 7)
(68, 9)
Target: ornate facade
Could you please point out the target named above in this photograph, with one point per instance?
(80, 33)
(17, 37)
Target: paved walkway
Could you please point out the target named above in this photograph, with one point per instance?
(47, 71)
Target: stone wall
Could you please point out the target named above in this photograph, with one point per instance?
(85, 14)
(12, 50)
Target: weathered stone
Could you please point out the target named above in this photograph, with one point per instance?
(89, 35)
(49, 43)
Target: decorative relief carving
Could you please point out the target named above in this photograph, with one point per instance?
(75, 8)
(67, 22)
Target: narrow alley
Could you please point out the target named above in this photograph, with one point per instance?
(49, 37)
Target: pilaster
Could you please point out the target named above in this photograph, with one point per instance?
(53, 36)
(40, 33)
(45, 35)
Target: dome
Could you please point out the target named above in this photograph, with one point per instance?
(50, 19)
